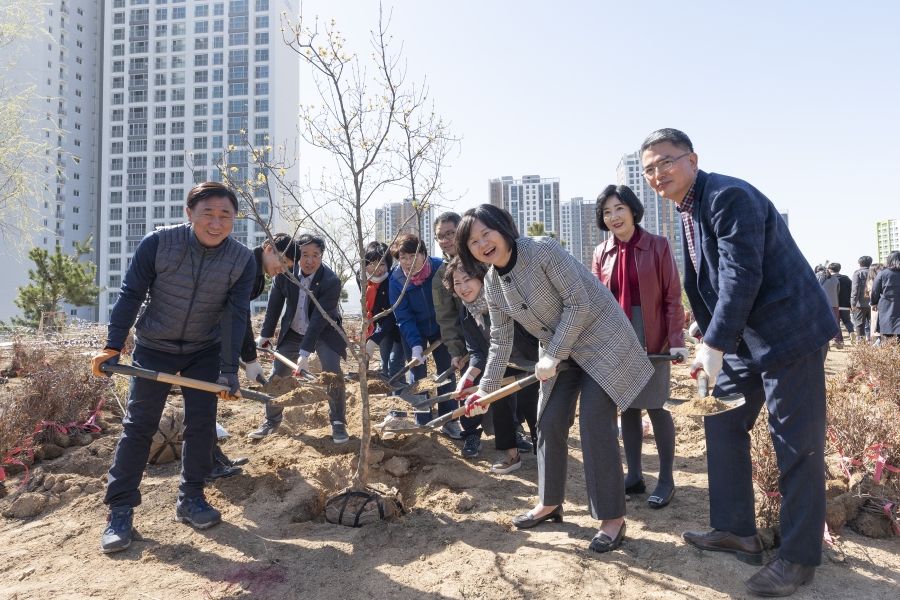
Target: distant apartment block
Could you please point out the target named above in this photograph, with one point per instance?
(784, 215)
(888, 233)
(181, 83)
(578, 229)
(531, 199)
(64, 66)
(660, 216)
(398, 218)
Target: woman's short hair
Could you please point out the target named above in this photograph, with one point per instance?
(376, 251)
(494, 218)
(623, 193)
(408, 243)
(893, 261)
(455, 265)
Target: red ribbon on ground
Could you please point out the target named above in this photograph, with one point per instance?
(89, 425)
(880, 461)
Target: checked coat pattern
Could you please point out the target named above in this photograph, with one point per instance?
(556, 299)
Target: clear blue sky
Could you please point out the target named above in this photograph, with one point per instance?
(794, 97)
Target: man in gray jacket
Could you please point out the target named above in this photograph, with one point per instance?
(182, 279)
(860, 305)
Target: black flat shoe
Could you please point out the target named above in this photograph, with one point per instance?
(657, 502)
(526, 521)
(638, 488)
(603, 543)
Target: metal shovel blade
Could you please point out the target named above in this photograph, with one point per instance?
(731, 402)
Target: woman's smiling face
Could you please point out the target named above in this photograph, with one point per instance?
(488, 245)
(466, 286)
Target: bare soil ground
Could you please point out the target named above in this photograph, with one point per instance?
(456, 541)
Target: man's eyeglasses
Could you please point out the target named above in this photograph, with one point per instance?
(663, 166)
(447, 237)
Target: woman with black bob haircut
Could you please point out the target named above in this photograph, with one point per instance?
(534, 282)
(383, 333)
(639, 269)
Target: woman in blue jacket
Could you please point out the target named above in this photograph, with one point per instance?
(383, 334)
(415, 314)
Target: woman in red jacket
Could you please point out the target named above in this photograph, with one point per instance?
(639, 269)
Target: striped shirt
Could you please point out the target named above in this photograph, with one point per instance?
(687, 218)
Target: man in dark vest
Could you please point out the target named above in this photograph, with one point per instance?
(305, 330)
(182, 279)
(271, 259)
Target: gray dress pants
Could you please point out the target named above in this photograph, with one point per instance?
(331, 363)
(599, 444)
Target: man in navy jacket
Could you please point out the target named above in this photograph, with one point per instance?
(766, 325)
(305, 330)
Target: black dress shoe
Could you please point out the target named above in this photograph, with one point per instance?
(221, 471)
(658, 502)
(603, 543)
(780, 578)
(527, 520)
(747, 549)
(638, 488)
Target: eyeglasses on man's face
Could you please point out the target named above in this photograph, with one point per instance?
(663, 166)
(447, 237)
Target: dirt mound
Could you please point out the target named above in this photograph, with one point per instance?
(279, 385)
(329, 380)
(378, 386)
(841, 510)
(422, 386)
(304, 394)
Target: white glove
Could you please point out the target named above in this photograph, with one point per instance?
(371, 346)
(546, 367)
(710, 360)
(253, 372)
(302, 363)
(417, 354)
(681, 353)
(263, 342)
(694, 331)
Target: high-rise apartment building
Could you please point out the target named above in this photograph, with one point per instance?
(578, 229)
(64, 67)
(183, 82)
(532, 199)
(660, 216)
(888, 233)
(784, 215)
(397, 218)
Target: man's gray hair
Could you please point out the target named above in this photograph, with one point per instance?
(679, 139)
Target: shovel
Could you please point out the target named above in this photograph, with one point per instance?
(178, 380)
(412, 363)
(443, 376)
(420, 401)
(294, 366)
(731, 402)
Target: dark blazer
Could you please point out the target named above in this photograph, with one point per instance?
(525, 345)
(755, 294)
(844, 288)
(886, 296)
(326, 287)
(248, 347)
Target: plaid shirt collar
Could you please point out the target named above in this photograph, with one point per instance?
(687, 205)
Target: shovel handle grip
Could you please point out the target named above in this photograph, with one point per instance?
(490, 398)
(702, 384)
(286, 361)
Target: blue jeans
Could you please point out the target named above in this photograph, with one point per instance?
(442, 361)
(795, 396)
(391, 356)
(146, 401)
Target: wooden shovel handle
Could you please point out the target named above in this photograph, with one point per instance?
(413, 362)
(178, 380)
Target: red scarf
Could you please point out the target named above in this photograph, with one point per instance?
(420, 277)
(371, 293)
(625, 251)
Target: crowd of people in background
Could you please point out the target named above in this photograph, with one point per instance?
(868, 304)
(496, 304)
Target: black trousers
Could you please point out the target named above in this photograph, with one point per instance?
(146, 401)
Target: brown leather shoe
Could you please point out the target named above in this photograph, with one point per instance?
(780, 578)
(746, 549)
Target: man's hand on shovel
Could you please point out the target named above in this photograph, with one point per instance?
(231, 380)
(710, 360)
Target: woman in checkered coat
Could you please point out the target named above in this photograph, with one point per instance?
(536, 283)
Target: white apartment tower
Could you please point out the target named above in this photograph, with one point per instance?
(660, 216)
(64, 65)
(183, 81)
(578, 229)
(395, 218)
(532, 199)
